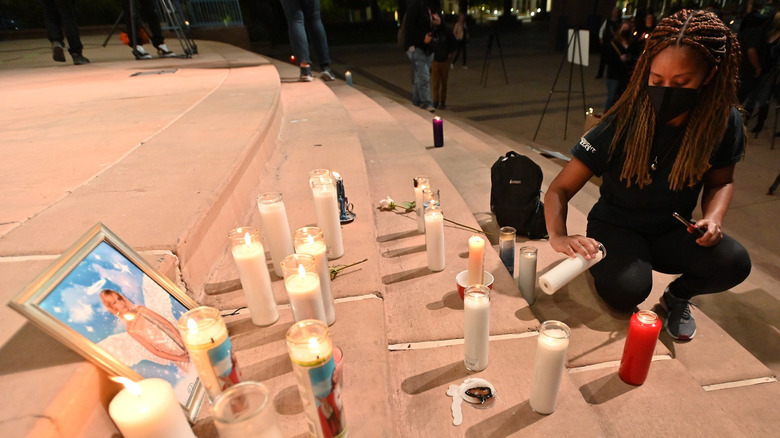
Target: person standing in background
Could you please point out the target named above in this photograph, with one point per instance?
(461, 33)
(443, 46)
(149, 15)
(302, 15)
(60, 14)
(420, 22)
(607, 33)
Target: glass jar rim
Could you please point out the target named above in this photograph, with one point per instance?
(269, 198)
(310, 329)
(559, 326)
(204, 317)
(240, 389)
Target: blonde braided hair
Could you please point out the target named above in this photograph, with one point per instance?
(634, 117)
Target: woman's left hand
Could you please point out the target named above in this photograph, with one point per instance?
(712, 232)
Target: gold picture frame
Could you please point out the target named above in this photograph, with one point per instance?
(107, 303)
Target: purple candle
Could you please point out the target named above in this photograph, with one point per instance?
(438, 132)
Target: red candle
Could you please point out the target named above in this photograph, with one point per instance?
(642, 336)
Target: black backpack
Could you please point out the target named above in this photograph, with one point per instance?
(516, 183)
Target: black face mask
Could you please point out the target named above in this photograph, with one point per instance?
(670, 102)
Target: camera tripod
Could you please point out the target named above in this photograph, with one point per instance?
(486, 64)
(173, 17)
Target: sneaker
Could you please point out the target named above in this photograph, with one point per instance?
(79, 59)
(430, 108)
(327, 74)
(163, 52)
(58, 52)
(679, 321)
(306, 75)
(141, 53)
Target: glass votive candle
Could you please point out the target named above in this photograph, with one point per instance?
(431, 197)
(506, 248)
(249, 255)
(245, 410)
(318, 174)
(526, 275)
(549, 364)
(273, 216)
(303, 287)
(421, 183)
(206, 338)
(326, 209)
(309, 240)
(476, 321)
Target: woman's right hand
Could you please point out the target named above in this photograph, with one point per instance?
(576, 244)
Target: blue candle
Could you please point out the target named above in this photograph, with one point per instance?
(506, 246)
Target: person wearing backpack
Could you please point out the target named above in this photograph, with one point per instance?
(443, 45)
(675, 132)
(421, 18)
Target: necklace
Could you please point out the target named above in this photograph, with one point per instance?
(656, 162)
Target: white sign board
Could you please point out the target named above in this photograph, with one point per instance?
(578, 50)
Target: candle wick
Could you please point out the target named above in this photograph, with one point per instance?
(212, 340)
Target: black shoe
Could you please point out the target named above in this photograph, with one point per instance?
(58, 52)
(79, 59)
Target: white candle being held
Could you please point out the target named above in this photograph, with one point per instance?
(549, 364)
(526, 276)
(309, 240)
(303, 287)
(420, 183)
(434, 238)
(476, 260)
(148, 409)
(476, 305)
(326, 209)
(273, 216)
(249, 256)
(568, 270)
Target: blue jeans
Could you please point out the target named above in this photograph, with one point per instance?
(303, 14)
(613, 86)
(421, 76)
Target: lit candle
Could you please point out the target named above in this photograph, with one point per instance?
(476, 259)
(526, 275)
(309, 240)
(476, 304)
(319, 380)
(148, 409)
(506, 248)
(549, 365)
(303, 287)
(438, 132)
(348, 77)
(568, 270)
(643, 331)
(273, 216)
(420, 183)
(434, 238)
(249, 256)
(326, 209)
(206, 337)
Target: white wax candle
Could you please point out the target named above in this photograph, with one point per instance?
(305, 296)
(256, 282)
(277, 231)
(418, 203)
(150, 410)
(567, 271)
(476, 306)
(526, 276)
(326, 208)
(548, 369)
(476, 260)
(434, 239)
(317, 250)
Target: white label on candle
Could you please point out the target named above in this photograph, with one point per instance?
(434, 240)
(256, 282)
(317, 250)
(326, 208)
(476, 260)
(477, 331)
(305, 296)
(154, 412)
(277, 232)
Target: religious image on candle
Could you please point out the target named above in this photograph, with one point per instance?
(148, 409)
(319, 379)
(206, 337)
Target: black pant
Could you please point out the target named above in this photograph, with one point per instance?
(149, 15)
(624, 277)
(60, 14)
(460, 46)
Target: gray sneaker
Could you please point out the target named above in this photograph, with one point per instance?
(306, 75)
(327, 74)
(679, 322)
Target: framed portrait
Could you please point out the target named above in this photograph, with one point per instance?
(106, 302)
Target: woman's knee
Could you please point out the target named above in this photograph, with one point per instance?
(624, 292)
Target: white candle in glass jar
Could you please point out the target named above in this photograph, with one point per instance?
(476, 305)
(526, 276)
(148, 409)
(273, 216)
(434, 239)
(476, 260)
(305, 295)
(549, 365)
(249, 256)
(420, 183)
(326, 209)
(306, 242)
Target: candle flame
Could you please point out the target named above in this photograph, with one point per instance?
(336, 175)
(192, 325)
(313, 343)
(132, 387)
(247, 239)
(301, 271)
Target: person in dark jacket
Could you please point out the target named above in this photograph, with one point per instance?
(443, 45)
(421, 18)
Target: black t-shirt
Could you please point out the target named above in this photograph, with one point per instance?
(649, 209)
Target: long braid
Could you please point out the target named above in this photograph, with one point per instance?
(634, 117)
